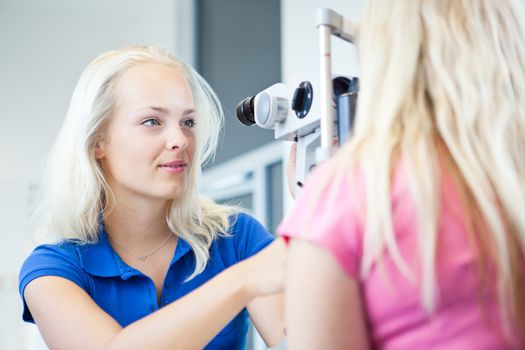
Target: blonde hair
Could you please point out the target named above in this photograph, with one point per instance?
(448, 72)
(74, 191)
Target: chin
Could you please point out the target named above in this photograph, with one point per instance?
(174, 197)
(175, 194)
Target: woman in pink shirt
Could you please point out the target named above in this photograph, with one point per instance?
(413, 235)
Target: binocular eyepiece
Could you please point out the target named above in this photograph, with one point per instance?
(271, 105)
(245, 111)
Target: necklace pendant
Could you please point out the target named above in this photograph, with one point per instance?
(141, 258)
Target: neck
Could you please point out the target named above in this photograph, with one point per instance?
(139, 223)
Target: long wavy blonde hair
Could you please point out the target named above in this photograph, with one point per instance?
(74, 191)
(450, 73)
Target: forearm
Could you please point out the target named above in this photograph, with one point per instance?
(192, 321)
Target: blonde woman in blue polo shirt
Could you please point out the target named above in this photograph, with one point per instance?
(139, 259)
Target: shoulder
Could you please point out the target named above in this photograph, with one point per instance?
(60, 259)
(331, 193)
(241, 222)
(66, 251)
(246, 236)
(329, 213)
(243, 226)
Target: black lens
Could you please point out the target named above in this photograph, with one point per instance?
(244, 111)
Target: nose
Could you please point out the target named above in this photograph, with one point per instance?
(176, 139)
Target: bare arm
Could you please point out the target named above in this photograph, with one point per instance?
(267, 315)
(69, 319)
(267, 312)
(323, 305)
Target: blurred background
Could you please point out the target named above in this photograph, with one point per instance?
(239, 46)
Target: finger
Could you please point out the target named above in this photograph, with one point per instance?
(293, 152)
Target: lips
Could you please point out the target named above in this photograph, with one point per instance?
(177, 164)
(174, 164)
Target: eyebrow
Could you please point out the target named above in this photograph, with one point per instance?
(166, 111)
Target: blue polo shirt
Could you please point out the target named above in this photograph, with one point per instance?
(127, 294)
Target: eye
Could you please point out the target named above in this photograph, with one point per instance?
(151, 122)
(190, 123)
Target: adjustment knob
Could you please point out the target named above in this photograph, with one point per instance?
(302, 99)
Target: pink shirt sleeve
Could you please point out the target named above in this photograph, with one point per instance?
(331, 219)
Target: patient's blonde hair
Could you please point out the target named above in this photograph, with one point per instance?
(74, 191)
(450, 73)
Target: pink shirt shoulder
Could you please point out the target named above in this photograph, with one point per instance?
(331, 218)
(466, 316)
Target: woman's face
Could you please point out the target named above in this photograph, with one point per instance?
(150, 142)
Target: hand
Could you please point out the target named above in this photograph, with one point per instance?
(291, 168)
(264, 272)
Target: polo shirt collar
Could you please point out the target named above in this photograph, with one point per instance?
(182, 248)
(99, 259)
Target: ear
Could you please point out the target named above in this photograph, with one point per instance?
(99, 150)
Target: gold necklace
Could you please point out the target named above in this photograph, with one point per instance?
(141, 257)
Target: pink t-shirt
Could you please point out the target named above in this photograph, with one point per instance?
(465, 317)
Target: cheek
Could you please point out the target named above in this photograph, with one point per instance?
(127, 156)
(120, 161)
(192, 146)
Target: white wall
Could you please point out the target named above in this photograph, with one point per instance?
(44, 47)
(300, 53)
